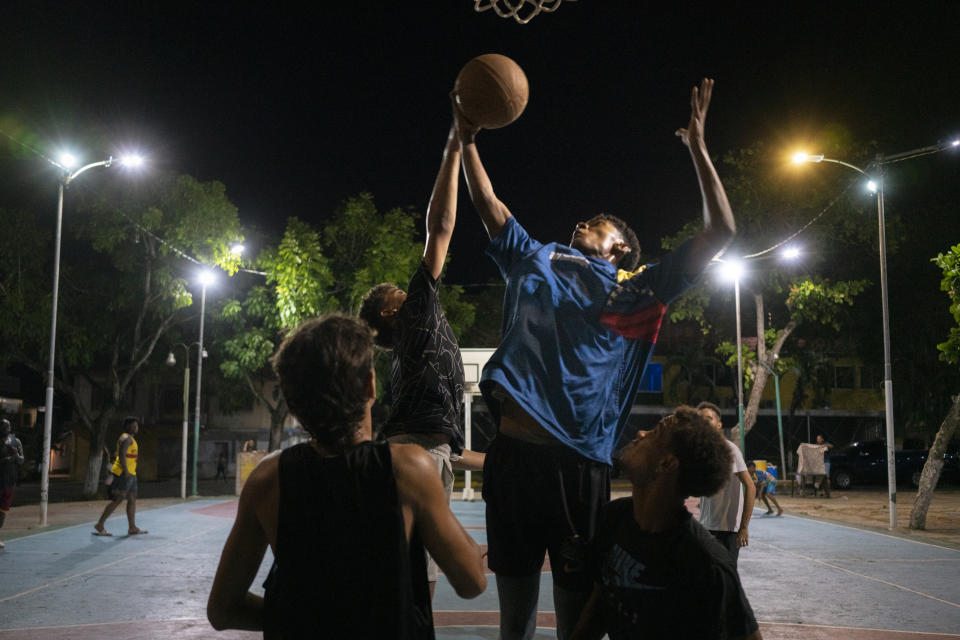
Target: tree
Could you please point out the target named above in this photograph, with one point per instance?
(313, 271)
(123, 287)
(770, 206)
(949, 264)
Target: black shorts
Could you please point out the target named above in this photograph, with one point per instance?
(541, 498)
(123, 487)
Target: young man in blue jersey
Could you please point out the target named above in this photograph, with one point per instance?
(578, 330)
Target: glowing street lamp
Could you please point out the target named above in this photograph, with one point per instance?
(205, 278)
(66, 162)
(732, 269)
(875, 185)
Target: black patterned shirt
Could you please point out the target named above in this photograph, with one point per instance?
(427, 373)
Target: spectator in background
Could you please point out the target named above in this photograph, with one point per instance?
(123, 480)
(826, 446)
(726, 514)
(765, 482)
(11, 457)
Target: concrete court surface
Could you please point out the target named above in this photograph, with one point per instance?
(804, 578)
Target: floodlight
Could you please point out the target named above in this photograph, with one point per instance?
(206, 277)
(731, 269)
(132, 160)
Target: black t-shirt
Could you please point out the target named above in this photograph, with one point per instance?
(679, 583)
(427, 374)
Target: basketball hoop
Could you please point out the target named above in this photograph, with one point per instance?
(523, 11)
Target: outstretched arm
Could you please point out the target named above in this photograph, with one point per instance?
(442, 210)
(718, 224)
(493, 213)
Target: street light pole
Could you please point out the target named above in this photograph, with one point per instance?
(877, 186)
(887, 359)
(196, 418)
(776, 386)
(743, 436)
(48, 399)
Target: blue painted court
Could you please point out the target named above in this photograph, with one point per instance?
(803, 577)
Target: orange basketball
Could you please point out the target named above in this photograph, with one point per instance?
(492, 91)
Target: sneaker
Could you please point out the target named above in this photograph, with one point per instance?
(2, 545)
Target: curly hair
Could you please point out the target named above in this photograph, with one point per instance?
(629, 261)
(323, 367)
(370, 307)
(703, 453)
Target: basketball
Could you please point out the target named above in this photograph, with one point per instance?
(492, 91)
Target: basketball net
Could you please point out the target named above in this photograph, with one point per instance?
(523, 11)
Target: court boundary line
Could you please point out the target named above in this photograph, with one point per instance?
(479, 626)
(861, 575)
(830, 626)
(109, 564)
(904, 537)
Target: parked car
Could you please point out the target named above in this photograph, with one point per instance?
(866, 463)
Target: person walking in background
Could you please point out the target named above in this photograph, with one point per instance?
(222, 466)
(825, 446)
(11, 457)
(765, 482)
(123, 480)
(726, 514)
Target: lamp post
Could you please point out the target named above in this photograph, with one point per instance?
(206, 277)
(776, 386)
(66, 162)
(733, 270)
(875, 184)
(172, 361)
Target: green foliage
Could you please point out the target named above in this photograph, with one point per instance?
(820, 301)
(949, 264)
(313, 271)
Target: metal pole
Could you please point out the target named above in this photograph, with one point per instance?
(783, 458)
(196, 419)
(887, 366)
(467, 433)
(48, 402)
(186, 419)
(743, 449)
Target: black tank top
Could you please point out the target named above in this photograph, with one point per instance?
(343, 568)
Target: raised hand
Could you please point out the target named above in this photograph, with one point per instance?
(699, 103)
(466, 130)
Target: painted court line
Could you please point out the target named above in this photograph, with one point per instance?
(109, 564)
(860, 575)
(876, 533)
(827, 626)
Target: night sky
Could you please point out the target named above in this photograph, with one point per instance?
(297, 109)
